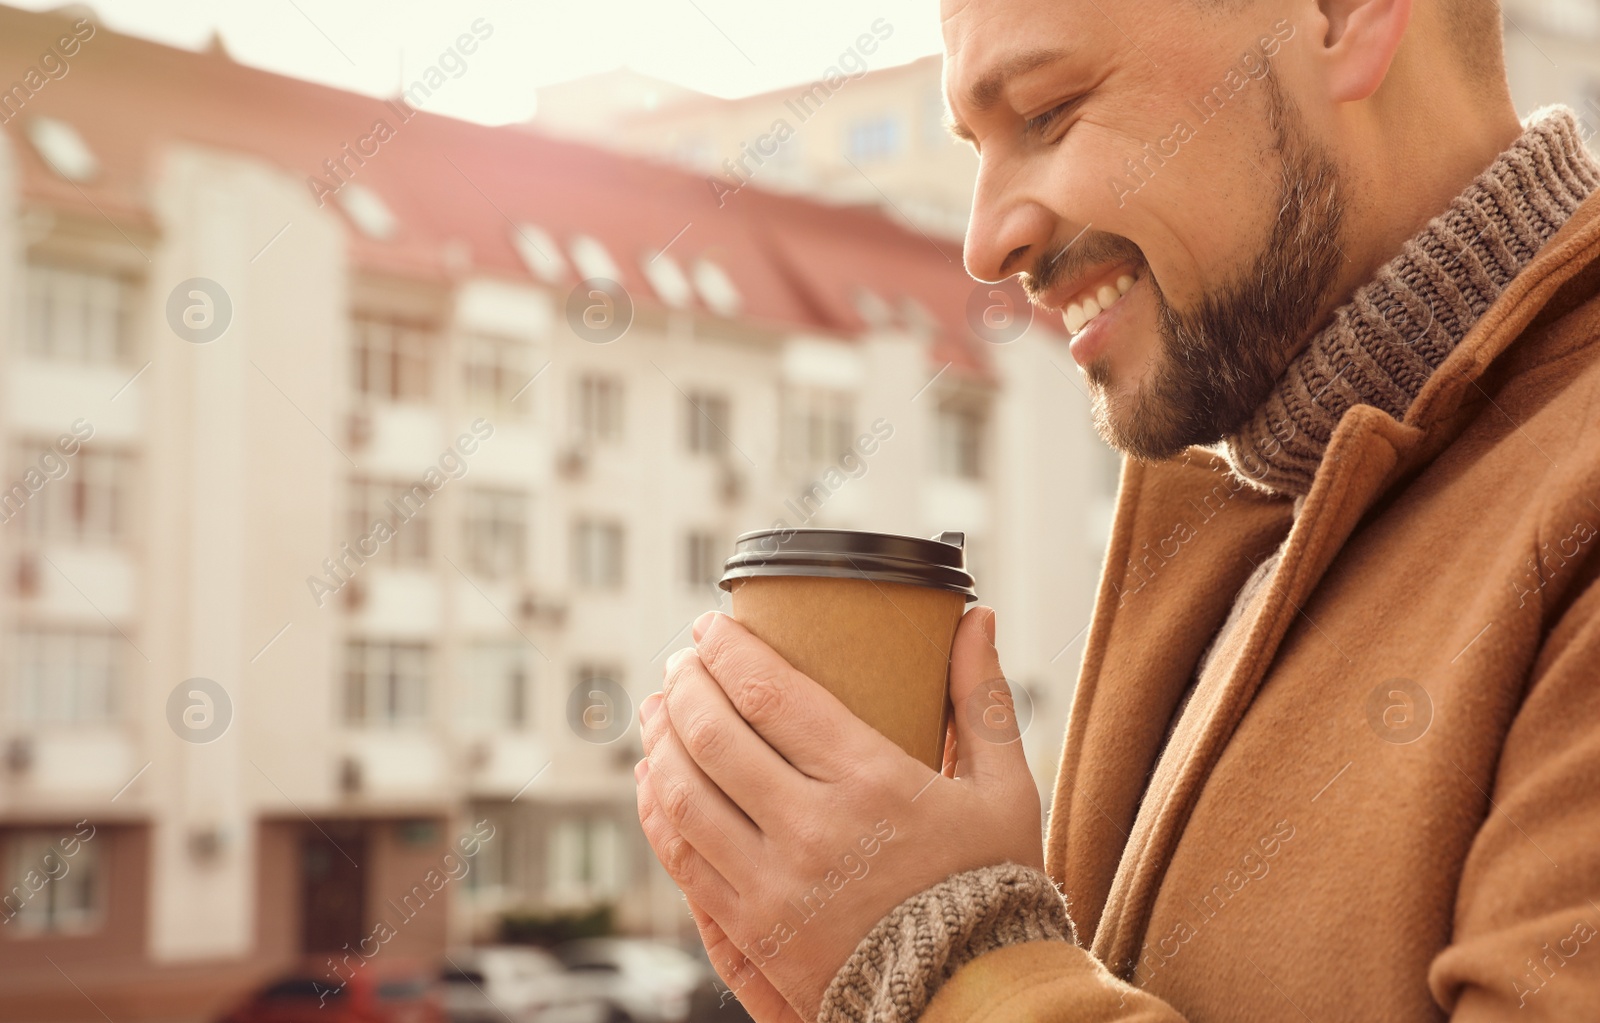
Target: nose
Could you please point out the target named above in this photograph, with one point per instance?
(1006, 234)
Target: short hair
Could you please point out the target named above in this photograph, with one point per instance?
(1474, 27)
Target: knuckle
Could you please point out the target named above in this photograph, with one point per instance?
(677, 856)
(678, 802)
(654, 825)
(706, 739)
(763, 697)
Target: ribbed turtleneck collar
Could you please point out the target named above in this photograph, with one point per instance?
(1382, 345)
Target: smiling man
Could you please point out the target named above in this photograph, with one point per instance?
(1334, 751)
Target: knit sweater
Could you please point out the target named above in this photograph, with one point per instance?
(1378, 349)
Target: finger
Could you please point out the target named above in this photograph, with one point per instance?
(807, 725)
(723, 745)
(700, 811)
(683, 863)
(744, 979)
(987, 736)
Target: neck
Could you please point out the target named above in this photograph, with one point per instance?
(1427, 141)
(1380, 346)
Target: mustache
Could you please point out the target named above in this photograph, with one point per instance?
(1089, 249)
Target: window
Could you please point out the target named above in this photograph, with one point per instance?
(70, 897)
(496, 527)
(706, 422)
(874, 138)
(59, 144)
(399, 506)
(585, 861)
(959, 439)
(368, 211)
(66, 676)
(496, 677)
(391, 358)
(385, 683)
(495, 867)
(819, 424)
(592, 259)
(83, 497)
(597, 554)
(77, 316)
(703, 558)
(496, 372)
(597, 409)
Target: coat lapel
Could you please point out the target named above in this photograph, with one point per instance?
(1183, 546)
(1363, 451)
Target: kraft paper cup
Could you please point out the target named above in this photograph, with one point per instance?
(869, 616)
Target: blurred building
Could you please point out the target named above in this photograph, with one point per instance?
(251, 321)
(1553, 56)
(859, 134)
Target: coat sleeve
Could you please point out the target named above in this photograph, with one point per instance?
(994, 943)
(1527, 911)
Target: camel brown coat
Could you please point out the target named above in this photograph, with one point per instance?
(1389, 809)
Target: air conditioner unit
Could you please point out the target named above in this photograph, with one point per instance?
(731, 485)
(572, 461)
(27, 575)
(360, 429)
(349, 775)
(207, 843)
(355, 595)
(19, 754)
(534, 608)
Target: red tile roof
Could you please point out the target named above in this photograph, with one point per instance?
(796, 263)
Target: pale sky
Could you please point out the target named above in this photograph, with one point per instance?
(724, 47)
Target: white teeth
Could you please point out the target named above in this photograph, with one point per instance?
(1080, 313)
(1074, 318)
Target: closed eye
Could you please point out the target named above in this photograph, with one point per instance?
(1036, 125)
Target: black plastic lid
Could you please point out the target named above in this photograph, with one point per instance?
(940, 562)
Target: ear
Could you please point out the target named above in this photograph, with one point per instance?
(1362, 38)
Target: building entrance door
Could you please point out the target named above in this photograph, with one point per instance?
(333, 901)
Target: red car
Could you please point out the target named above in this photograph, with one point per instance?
(393, 993)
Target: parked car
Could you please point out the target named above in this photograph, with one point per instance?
(388, 992)
(642, 981)
(515, 984)
(712, 1001)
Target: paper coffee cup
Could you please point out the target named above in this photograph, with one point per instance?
(869, 616)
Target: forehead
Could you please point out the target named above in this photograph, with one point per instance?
(986, 39)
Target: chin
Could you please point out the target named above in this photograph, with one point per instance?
(1135, 415)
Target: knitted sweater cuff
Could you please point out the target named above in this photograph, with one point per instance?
(897, 967)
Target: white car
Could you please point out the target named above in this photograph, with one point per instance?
(515, 984)
(643, 981)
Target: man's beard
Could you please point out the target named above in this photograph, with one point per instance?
(1218, 363)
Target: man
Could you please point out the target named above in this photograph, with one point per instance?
(1334, 752)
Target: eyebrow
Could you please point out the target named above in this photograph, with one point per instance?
(986, 91)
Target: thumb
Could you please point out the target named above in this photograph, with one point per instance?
(987, 734)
